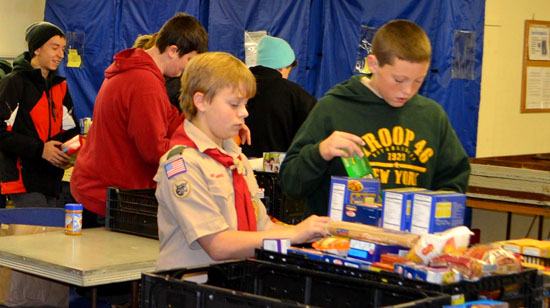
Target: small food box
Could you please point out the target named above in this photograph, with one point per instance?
(352, 199)
(437, 211)
(371, 251)
(397, 206)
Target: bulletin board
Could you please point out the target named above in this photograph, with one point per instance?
(535, 87)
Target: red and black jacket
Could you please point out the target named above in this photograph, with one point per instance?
(32, 111)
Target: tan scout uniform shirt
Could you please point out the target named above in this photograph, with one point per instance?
(198, 201)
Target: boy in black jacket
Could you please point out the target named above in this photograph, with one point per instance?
(36, 117)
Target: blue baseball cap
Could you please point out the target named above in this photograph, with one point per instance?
(275, 53)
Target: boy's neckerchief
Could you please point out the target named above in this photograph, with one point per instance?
(246, 218)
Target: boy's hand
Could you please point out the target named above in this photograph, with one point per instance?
(244, 134)
(337, 142)
(311, 229)
(54, 155)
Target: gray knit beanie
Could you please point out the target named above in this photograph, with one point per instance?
(39, 33)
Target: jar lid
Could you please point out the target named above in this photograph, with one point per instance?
(73, 206)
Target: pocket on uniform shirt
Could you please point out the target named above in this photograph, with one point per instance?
(219, 188)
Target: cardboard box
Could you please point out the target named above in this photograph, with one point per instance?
(397, 207)
(276, 245)
(317, 255)
(527, 246)
(437, 275)
(364, 214)
(351, 191)
(540, 249)
(371, 252)
(437, 211)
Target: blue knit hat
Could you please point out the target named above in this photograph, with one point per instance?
(274, 53)
(39, 33)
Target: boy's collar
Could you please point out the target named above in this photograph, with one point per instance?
(203, 142)
(366, 82)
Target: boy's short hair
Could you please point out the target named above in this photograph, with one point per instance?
(184, 31)
(211, 72)
(401, 39)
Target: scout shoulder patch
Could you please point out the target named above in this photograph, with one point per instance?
(174, 168)
(176, 151)
(182, 188)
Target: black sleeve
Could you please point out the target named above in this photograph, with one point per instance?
(11, 91)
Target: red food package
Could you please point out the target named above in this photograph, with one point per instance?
(469, 268)
(72, 145)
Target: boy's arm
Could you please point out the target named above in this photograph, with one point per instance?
(232, 244)
(453, 164)
(307, 160)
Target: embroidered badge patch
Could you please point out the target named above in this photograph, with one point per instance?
(182, 189)
(175, 167)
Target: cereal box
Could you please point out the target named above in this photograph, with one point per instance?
(437, 211)
(396, 207)
(346, 191)
(368, 214)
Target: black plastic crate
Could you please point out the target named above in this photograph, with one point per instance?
(519, 290)
(278, 204)
(132, 211)
(254, 283)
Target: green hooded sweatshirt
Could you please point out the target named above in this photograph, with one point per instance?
(409, 146)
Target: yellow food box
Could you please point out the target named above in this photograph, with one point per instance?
(537, 249)
(516, 245)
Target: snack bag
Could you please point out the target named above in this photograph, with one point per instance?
(333, 244)
(430, 246)
(505, 261)
(469, 268)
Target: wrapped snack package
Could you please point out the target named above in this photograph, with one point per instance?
(481, 260)
(469, 268)
(333, 244)
(505, 261)
(430, 246)
(372, 233)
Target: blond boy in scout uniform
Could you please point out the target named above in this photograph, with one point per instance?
(209, 208)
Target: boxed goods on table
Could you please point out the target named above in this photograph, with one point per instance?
(437, 211)
(524, 289)
(254, 283)
(353, 199)
(396, 207)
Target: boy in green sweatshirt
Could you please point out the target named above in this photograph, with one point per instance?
(407, 137)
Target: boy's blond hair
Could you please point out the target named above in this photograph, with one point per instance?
(401, 39)
(145, 41)
(211, 72)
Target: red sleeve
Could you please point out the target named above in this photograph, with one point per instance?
(149, 121)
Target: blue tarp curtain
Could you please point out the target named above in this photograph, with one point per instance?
(324, 34)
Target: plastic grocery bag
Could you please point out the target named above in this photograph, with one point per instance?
(21, 289)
